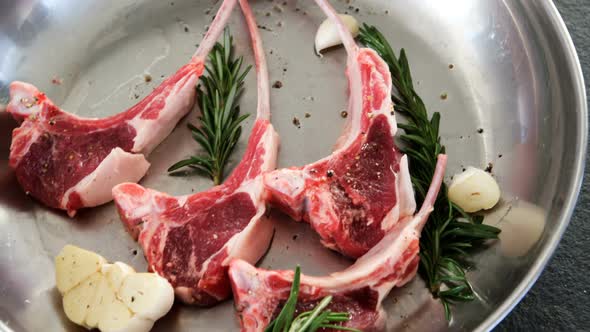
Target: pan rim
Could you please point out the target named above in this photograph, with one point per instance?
(581, 110)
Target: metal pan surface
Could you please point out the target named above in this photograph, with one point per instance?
(514, 99)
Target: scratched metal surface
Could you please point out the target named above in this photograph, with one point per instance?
(515, 75)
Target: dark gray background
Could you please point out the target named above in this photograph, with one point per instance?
(559, 299)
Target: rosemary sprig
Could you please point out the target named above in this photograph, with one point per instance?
(450, 234)
(308, 321)
(220, 120)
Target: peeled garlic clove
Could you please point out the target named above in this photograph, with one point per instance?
(110, 297)
(328, 36)
(116, 273)
(73, 265)
(147, 294)
(77, 302)
(474, 190)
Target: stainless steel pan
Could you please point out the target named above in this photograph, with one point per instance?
(515, 75)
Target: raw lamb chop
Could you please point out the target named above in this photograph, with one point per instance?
(353, 197)
(69, 162)
(358, 290)
(190, 240)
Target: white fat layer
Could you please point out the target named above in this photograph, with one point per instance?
(119, 166)
(150, 132)
(406, 198)
(393, 216)
(386, 104)
(251, 243)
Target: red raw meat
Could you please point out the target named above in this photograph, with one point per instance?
(359, 290)
(353, 197)
(190, 240)
(69, 162)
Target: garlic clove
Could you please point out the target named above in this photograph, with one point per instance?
(116, 273)
(474, 190)
(112, 297)
(77, 302)
(116, 316)
(74, 265)
(147, 294)
(328, 36)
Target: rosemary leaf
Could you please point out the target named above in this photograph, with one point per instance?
(220, 121)
(308, 321)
